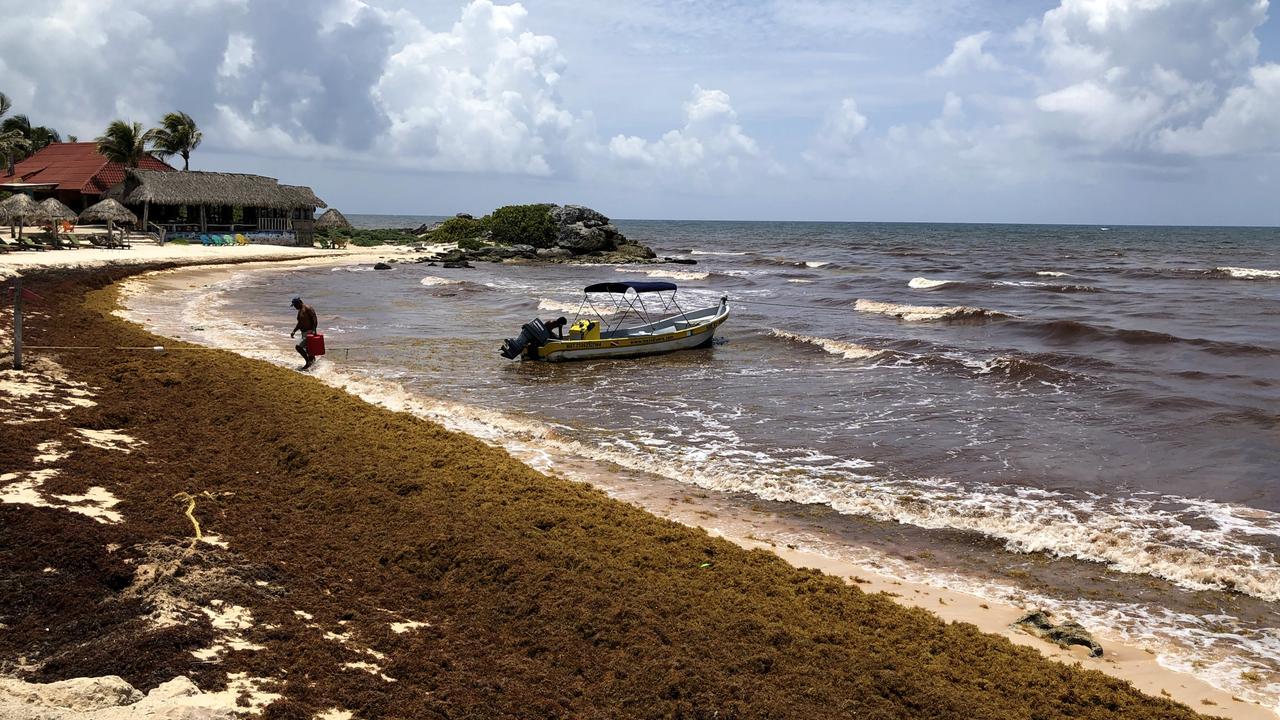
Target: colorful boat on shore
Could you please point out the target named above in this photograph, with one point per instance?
(658, 326)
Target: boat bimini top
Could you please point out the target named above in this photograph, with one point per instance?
(628, 301)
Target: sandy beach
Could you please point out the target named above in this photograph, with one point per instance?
(350, 559)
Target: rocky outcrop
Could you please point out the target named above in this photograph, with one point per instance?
(1040, 623)
(581, 230)
(522, 233)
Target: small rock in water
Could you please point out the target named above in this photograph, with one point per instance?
(680, 261)
(382, 266)
(457, 264)
(1040, 623)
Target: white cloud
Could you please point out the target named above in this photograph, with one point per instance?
(480, 97)
(1247, 121)
(238, 56)
(967, 55)
(710, 145)
(1118, 75)
(837, 145)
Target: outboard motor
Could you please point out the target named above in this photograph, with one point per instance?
(533, 334)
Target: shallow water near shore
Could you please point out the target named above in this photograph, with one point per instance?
(1076, 418)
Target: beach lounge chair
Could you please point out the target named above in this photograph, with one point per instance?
(206, 240)
(228, 240)
(241, 239)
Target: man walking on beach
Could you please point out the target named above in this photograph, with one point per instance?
(308, 324)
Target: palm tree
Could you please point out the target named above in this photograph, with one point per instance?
(6, 140)
(13, 144)
(177, 135)
(37, 136)
(123, 142)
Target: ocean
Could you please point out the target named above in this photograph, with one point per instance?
(1084, 419)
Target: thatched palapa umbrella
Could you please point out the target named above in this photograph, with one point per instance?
(109, 211)
(20, 208)
(332, 220)
(56, 211)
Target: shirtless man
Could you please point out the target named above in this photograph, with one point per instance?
(308, 324)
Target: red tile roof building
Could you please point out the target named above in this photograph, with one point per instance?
(75, 173)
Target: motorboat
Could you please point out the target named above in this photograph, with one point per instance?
(643, 318)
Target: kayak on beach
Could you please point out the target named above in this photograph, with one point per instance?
(591, 336)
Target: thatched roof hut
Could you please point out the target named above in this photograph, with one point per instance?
(56, 210)
(332, 220)
(109, 211)
(21, 208)
(213, 189)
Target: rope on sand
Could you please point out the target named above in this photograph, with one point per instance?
(190, 512)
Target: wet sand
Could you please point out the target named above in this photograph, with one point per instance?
(522, 594)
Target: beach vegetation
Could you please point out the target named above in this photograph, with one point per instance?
(522, 224)
(457, 229)
(365, 237)
(123, 142)
(178, 135)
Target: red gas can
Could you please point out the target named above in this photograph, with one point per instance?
(315, 344)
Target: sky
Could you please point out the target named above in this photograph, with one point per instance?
(1077, 111)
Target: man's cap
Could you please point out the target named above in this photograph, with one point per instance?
(296, 301)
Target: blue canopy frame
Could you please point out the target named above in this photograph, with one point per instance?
(620, 288)
(629, 305)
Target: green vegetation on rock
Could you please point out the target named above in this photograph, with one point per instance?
(522, 225)
(456, 229)
(367, 238)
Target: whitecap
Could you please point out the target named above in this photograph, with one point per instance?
(433, 280)
(847, 350)
(673, 274)
(1244, 273)
(1053, 273)
(923, 283)
(926, 313)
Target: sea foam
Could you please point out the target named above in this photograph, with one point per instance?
(846, 350)
(673, 274)
(926, 313)
(923, 283)
(433, 280)
(1243, 273)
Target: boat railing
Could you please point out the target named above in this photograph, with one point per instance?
(632, 303)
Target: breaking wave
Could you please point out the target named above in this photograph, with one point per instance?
(1053, 273)
(1242, 273)
(1047, 286)
(923, 283)
(431, 280)
(927, 313)
(846, 350)
(714, 252)
(673, 274)
(1020, 368)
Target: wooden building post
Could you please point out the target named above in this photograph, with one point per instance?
(17, 323)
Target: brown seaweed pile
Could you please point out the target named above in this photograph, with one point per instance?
(399, 570)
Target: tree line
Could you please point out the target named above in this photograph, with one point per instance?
(122, 142)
